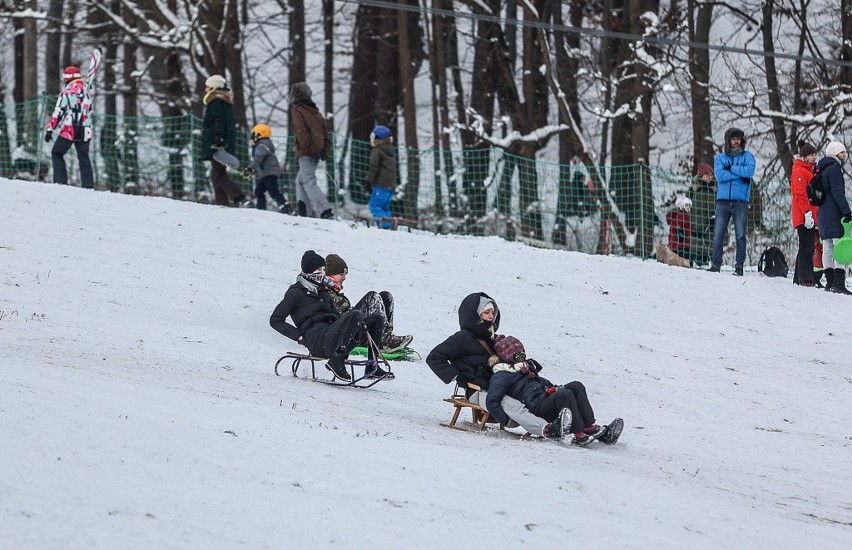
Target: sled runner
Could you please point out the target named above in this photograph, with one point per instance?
(367, 380)
(362, 381)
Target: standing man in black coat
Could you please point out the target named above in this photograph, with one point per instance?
(317, 324)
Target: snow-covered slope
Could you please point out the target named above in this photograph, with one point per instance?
(139, 409)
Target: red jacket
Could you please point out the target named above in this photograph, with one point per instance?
(679, 230)
(801, 176)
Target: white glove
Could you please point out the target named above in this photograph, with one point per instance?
(809, 220)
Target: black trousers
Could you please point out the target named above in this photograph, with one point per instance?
(60, 170)
(340, 337)
(268, 184)
(573, 396)
(805, 257)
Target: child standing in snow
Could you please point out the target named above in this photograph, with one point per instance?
(680, 231)
(266, 169)
(382, 175)
(72, 116)
(568, 405)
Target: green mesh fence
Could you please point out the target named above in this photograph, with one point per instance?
(600, 209)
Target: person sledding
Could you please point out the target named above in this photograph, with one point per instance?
(318, 326)
(518, 377)
(380, 303)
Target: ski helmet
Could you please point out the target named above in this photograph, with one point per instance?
(260, 131)
(71, 73)
(683, 203)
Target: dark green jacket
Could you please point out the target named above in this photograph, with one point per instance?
(382, 166)
(218, 121)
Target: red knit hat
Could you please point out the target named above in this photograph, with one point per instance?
(71, 73)
(704, 170)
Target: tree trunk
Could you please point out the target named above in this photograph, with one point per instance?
(53, 48)
(129, 145)
(361, 94)
(700, 18)
(411, 187)
(328, 97)
(773, 92)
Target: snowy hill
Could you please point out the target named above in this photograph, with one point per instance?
(139, 409)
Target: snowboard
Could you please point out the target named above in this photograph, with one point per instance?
(613, 432)
(224, 157)
(398, 355)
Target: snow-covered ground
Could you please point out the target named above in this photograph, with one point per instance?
(139, 409)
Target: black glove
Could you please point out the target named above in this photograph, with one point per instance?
(48, 136)
(847, 218)
(218, 141)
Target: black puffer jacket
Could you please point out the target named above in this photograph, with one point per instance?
(835, 206)
(461, 356)
(310, 306)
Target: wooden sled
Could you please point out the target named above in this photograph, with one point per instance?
(459, 402)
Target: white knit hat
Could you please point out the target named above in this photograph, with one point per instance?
(834, 148)
(215, 81)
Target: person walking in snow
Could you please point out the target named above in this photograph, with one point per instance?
(567, 404)
(804, 214)
(734, 169)
(218, 130)
(266, 169)
(318, 326)
(311, 145)
(382, 175)
(833, 210)
(463, 358)
(379, 303)
(72, 115)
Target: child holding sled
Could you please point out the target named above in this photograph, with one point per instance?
(266, 169)
(518, 377)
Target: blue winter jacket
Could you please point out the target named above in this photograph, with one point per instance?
(733, 175)
(835, 206)
(517, 385)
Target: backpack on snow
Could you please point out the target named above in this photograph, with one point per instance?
(816, 193)
(772, 263)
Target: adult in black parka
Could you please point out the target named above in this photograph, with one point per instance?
(461, 356)
(318, 326)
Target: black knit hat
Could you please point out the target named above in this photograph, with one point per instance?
(334, 265)
(311, 261)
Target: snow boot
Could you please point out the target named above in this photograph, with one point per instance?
(582, 439)
(556, 429)
(613, 432)
(338, 368)
(374, 371)
(396, 343)
(595, 431)
(829, 279)
(818, 278)
(327, 214)
(284, 207)
(302, 209)
(839, 286)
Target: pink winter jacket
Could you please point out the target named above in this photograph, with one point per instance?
(73, 109)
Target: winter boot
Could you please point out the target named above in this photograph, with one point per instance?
(818, 277)
(595, 430)
(327, 214)
(840, 281)
(556, 429)
(396, 343)
(302, 209)
(829, 279)
(374, 371)
(284, 207)
(338, 368)
(582, 439)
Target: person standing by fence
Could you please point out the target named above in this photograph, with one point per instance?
(734, 169)
(804, 214)
(833, 210)
(382, 175)
(72, 116)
